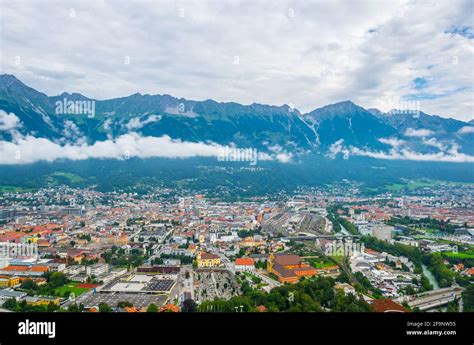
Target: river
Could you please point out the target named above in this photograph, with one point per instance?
(344, 230)
(430, 277)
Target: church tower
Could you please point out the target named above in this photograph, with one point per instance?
(270, 262)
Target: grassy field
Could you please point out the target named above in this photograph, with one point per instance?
(463, 255)
(72, 287)
(394, 187)
(319, 262)
(410, 185)
(14, 189)
(73, 178)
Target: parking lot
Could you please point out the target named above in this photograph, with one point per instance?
(142, 283)
(161, 285)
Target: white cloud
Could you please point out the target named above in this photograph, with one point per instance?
(328, 51)
(29, 149)
(422, 132)
(8, 122)
(435, 143)
(407, 154)
(71, 130)
(466, 130)
(275, 148)
(283, 157)
(137, 123)
(263, 156)
(107, 123)
(279, 153)
(398, 151)
(394, 142)
(335, 148)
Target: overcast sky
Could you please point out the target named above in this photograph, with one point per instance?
(382, 54)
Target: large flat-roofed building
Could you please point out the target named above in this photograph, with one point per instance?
(289, 268)
(158, 269)
(7, 214)
(24, 271)
(7, 294)
(56, 266)
(141, 278)
(43, 300)
(74, 269)
(128, 287)
(141, 283)
(97, 269)
(138, 300)
(382, 232)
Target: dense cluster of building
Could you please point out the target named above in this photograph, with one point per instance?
(150, 249)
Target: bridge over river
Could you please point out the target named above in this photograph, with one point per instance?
(433, 299)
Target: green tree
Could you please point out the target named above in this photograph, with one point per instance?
(124, 304)
(468, 298)
(74, 308)
(52, 307)
(29, 284)
(425, 284)
(152, 308)
(10, 304)
(57, 279)
(104, 308)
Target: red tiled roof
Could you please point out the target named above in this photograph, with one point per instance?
(131, 310)
(5, 277)
(287, 259)
(244, 262)
(387, 305)
(39, 268)
(170, 307)
(16, 268)
(26, 268)
(470, 271)
(208, 256)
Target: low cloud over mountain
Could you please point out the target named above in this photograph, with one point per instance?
(31, 129)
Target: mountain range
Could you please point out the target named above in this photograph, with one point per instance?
(343, 128)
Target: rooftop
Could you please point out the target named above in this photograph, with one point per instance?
(244, 262)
